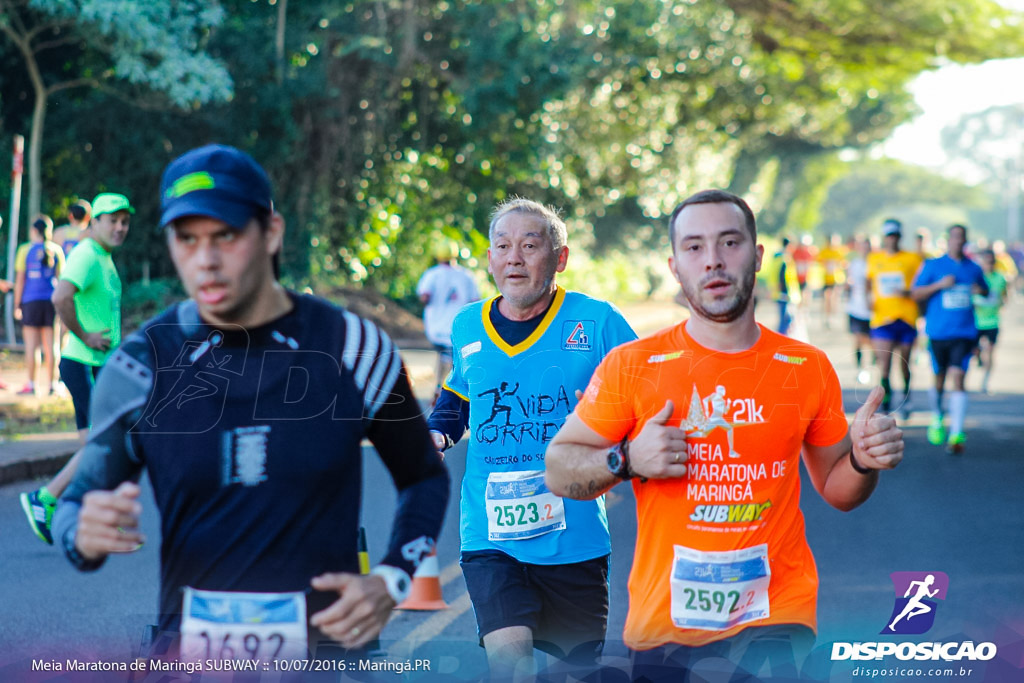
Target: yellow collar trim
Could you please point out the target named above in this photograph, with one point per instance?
(534, 336)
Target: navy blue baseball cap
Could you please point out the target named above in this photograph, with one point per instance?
(216, 181)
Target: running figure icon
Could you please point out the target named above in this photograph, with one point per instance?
(498, 406)
(915, 606)
(719, 407)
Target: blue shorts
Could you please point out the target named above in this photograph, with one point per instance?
(859, 326)
(951, 353)
(565, 605)
(899, 333)
(38, 313)
(992, 334)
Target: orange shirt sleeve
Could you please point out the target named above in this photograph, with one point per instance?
(829, 425)
(606, 406)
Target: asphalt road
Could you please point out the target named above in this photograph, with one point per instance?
(936, 512)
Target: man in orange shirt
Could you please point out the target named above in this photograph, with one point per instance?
(722, 567)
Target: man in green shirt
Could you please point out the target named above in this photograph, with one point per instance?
(986, 313)
(88, 301)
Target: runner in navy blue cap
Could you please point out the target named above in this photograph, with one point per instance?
(247, 405)
(217, 181)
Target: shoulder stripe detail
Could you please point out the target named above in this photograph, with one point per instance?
(367, 354)
(371, 357)
(353, 340)
(383, 381)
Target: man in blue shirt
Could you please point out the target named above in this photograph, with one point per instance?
(536, 566)
(945, 285)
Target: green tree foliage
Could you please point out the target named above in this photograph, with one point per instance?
(874, 190)
(833, 76)
(154, 45)
(389, 124)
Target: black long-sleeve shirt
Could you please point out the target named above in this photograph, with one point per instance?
(252, 441)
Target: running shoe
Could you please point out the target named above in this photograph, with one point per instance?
(956, 442)
(27, 390)
(39, 515)
(936, 432)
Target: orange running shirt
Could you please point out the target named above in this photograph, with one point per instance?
(724, 547)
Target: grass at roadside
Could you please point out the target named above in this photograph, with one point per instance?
(36, 416)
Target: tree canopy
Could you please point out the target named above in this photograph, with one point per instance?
(386, 124)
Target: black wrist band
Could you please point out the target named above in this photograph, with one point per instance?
(857, 466)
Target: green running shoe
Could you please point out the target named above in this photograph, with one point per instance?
(956, 442)
(936, 432)
(39, 514)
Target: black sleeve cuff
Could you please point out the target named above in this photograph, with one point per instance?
(79, 562)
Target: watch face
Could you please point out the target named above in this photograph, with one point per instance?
(614, 461)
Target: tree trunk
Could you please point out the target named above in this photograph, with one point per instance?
(35, 153)
(745, 170)
(282, 24)
(788, 183)
(21, 41)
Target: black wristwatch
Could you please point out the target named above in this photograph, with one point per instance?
(618, 460)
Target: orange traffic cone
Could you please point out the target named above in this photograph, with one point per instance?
(426, 587)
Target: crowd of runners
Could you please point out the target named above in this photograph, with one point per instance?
(247, 405)
(933, 304)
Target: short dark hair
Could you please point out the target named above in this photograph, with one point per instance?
(955, 226)
(713, 197)
(78, 212)
(263, 217)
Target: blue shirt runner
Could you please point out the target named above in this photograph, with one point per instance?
(519, 396)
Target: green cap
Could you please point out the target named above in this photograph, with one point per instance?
(110, 202)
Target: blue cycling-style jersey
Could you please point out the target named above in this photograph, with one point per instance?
(519, 397)
(40, 276)
(949, 314)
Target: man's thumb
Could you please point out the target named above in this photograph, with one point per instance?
(129, 489)
(331, 581)
(664, 415)
(865, 412)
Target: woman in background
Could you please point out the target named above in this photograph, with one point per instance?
(37, 267)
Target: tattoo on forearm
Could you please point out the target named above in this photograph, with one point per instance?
(577, 490)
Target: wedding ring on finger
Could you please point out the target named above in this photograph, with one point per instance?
(675, 458)
(354, 632)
